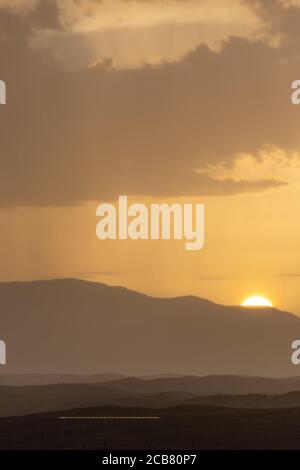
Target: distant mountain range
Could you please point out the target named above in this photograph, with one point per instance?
(79, 327)
(231, 392)
(209, 385)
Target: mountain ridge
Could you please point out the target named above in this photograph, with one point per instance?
(80, 327)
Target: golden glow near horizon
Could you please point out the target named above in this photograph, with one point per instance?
(256, 301)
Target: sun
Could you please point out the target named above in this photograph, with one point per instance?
(256, 301)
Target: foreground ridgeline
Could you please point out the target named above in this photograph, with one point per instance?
(2, 92)
(136, 222)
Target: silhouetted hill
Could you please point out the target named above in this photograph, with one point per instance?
(184, 427)
(78, 327)
(18, 400)
(287, 400)
(34, 399)
(208, 385)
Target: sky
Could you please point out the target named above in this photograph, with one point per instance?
(163, 101)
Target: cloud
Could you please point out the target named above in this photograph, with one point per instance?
(132, 33)
(76, 134)
(18, 6)
(46, 16)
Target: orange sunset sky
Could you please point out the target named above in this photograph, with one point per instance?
(160, 100)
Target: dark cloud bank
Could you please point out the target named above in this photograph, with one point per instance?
(71, 135)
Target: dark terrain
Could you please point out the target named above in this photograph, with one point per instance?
(189, 417)
(185, 427)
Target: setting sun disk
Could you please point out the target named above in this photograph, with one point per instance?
(256, 301)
